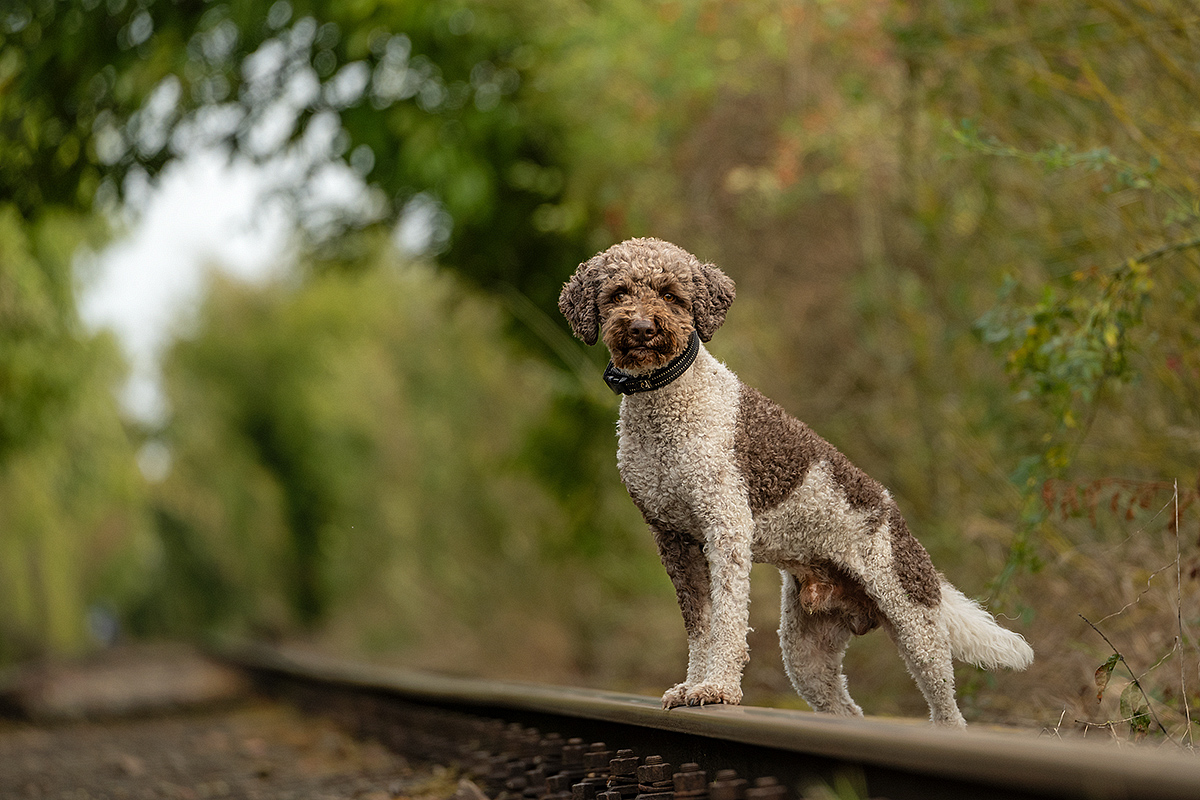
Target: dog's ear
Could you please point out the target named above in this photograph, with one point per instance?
(713, 295)
(577, 301)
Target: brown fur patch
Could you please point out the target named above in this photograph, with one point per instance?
(686, 565)
(824, 588)
(577, 300)
(706, 292)
(714, 293)
(775, 451)
(635, 295)
(911, 562)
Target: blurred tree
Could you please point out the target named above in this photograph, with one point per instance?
(427, 101)
(1089, 222)
(70, 498)
(904, 192)
(354, 449)
(40, 351)
(816, 151)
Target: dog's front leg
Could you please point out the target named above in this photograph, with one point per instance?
(687, 567)
(729, 562)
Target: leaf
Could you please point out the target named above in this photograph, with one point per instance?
(1104, 673)
(1134, 709)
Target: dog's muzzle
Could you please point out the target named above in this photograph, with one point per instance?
(624, 383)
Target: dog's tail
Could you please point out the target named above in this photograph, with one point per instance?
(977, 638)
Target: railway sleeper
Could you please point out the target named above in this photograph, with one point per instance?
(509, 761)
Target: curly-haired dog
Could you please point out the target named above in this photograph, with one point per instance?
(724, 477)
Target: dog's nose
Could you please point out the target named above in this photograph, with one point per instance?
(642, 329)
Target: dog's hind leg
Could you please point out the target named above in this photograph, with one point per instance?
(901, 579)
(813, 646)
(925, 646)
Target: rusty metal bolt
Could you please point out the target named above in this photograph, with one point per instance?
(596, 759)
(595, 765)
(766, 789)
(531, 744)
(516, 783)
(690, 781)
(572, 753)
(497, 768)
(550, 748)
(535, 781)
(624, 765)
(558, 783)
(654, 771)
(727, 786)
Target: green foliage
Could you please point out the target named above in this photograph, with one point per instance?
(1135, 705)
(846, 785)
(70, 513)
(42, 351)
(1096, 291)
(357, 445)
(968, 309)
(39, 355)
(1135, 709)
(1065, 348)
(425, 99)
(72, 526)
(69, 72)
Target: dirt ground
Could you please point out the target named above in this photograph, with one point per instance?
(167, 724)
(257, 751)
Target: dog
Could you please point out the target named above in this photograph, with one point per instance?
(725, 477)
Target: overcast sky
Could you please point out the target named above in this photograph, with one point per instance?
(205, 213)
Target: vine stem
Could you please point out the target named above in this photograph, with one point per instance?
(1136, 682)
(1167, 249)
(1187, 711)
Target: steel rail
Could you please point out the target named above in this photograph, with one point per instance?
(897, 758)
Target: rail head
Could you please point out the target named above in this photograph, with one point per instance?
(1020, 760)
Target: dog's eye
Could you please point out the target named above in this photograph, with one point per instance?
(669, 297)
(617, 296)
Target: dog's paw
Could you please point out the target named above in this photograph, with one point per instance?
(676, 696)
(707, 694)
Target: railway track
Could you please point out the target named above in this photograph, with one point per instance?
(546, 743)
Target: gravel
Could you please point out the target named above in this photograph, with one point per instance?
(202, 743)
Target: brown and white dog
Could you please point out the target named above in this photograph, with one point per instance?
(725, 477)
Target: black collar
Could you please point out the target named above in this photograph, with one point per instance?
(624, 383)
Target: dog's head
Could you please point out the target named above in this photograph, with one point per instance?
(645, 297)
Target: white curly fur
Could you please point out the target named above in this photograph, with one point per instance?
(692, 459)
(976, 638)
